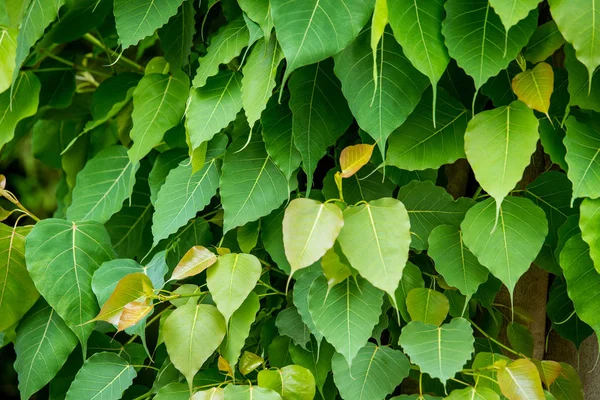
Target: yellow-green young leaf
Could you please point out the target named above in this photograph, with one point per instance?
(374, 374)
(196, 260)
(427, 306)
(509, 249)
(239, 329)
(568, 385)
(334, 269)
(549, 371)
(353, 158)
(192, 333)
(231, 280)
(578, 22)
(439, 351)
(310, 228)
(543, 43)
(411, 278)
(215, 393)
(520, 380)
(249, 362)
(534, 87)
(133, 313)
(239, 392)
(17, 291)
(499, 144)
(376, 240)
(19, 102)
(292, 382)
(520, 338)
(589, 223)
(8, 52)
(473, 393)
(513, 11)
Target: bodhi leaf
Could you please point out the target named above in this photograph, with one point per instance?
(376, 240)
(215, 393)
(319, 29)
(238, 329)
(520, 338)
(513, 11)
(473, 393)
(239, 392)
(454, 261)
(61, 258)
(543, 43)
(374, 374)
(508, 249)
(291, 382)
(301, 300)
(309, 230)
(381, 108)
(583, 147)
(320, 114)
(8, 52)
(136, 20)
(588, 222)
(499, 144)
(534, 87)
(20, 102)
(568, 385)
(453, 342)
(579, 83)
(474, 33)
(289, 323)
(520, 380)
(411, 278)
(317, 359)
(427, 306)
(104, 376)
(176, 37)
(102, 186)
(549, 371)
(353, 158)
(334, 268)
(259, 11)
(192, 333)
(196, 260)
(43, 345)
(231, 280)
(559, 309)
(417, 144)
(346, 313)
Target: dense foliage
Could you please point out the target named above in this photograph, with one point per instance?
(295, 199)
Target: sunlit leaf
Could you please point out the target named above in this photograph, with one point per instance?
(534, 87)
(196, 260)
(520, 380)
(291, 382)
(427, 306)
(353, 158)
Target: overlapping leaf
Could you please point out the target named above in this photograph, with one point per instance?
(19, 102)
(178, 34)
(583, 144)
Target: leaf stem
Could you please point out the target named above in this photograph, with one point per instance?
(91, 39)
(487, 336)
(70, 64)
(13, 199)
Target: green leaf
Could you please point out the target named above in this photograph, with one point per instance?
(520, 380)
(320, 29)
(214, 107)
(549, 371)
(316, 359)
(474, 33)
(239, 392)
(61, 258)
(173, 391)
(80, 17)
(8, 53)
(546, 39)
(158, 105)
(309, 230)
(35, 19)
(259, 77)
(176, 37)
(579, 83)
(508, 249)
(231, 280)
(164, 163)
(252, 186)
(259, 11)
(367, 184)
(492, 139)
(376, 240)
(289, 323)
(239, 329)
(473, 393)
(417, 144)
(301, 301)
(429, 206)
(102, 186)
(139, 19)
(513, 11)
(427, 306)
(292, 382)
(568, 385)
(320, 114)
(18, 103)
(346, 314)
(453, 342)
(215, 393)
(583, 144)
(375, 372)
(271, 234)
(183, 194)
(335, 267)
(411, 278)
(559, 309)
(457, 265)
(104, 376)
(520, 338)
(382, 106)
(18, 293)
(43, 345)
(577, 23)
(192, 333)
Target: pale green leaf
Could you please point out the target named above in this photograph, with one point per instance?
(215, 393)
(583, 148)
(453, 342)
(61, 258)
(520, 380)
(247, 236)
(8, 52)
(231, 280)
(427, 306)
(335, 267)
(173, 391)
(43, 345)
(589, 222)
(546, 39)
(239, 329)
(176, 37)
(238, 392)
(292, 382)
(579, 83)
(289, 323)
(18, 103)
(411, 278)
(301, 301)
(163, 164)
(473, 393)
(508, 249)
(259, 11)
(513, 11)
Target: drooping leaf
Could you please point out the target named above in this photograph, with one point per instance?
(417, 144)
(346, 313)
(353, 158)
(549, 371)
(520, 338)
(509, 249)
(231, 280)
(493, 138)
(8, 53)
(411, 278)
(429, 206)
(546, 39)
(335, 267)
(289, 323)
(291, 382)
(102, 186)
(271, 234)
(376, 240)
(176, 36)
(320, 114)
(309, 230)
(239, 392)
(196, 260)
(259, 11)
(139, 19)
(513, 11)
(239, 329)
(320, 29)
(453, 341)
(301, 301)
(568, 385)
(17, 291)
(582, 142)
(192, 333)
(20, 102)
(43, 345)
(454, 261)
(534, 87)
(163, 164)
(104, 376)
(61, 258)
(474, 35)
(520, 380)
(427, 306)
(559, 308)
(316, 358)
